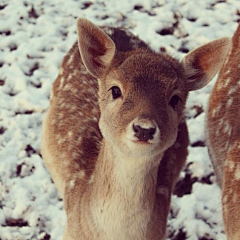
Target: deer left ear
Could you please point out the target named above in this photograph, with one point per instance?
(202, 63)
(96, 48)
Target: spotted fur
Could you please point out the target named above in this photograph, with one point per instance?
(223, 136)
(116, 185)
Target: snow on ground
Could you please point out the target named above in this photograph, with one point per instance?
(34, 36)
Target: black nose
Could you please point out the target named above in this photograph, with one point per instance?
(143, 134)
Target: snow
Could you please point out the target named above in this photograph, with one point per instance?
(34, 37)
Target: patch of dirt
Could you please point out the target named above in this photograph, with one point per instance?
(11, 222)
(2, 130)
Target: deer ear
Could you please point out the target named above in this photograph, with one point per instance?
(96, 48)
(202, 63)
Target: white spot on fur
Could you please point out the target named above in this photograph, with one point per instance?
(229, 102)
(81, 174)
(233, 90)
(219, 86)
(75, 72)
(51, 95)
(70, 60)
(61, 71)
(74, 90)
(67, 87)
(225, 199)
(73, 108)
(91, 180)
(70, 147)
(72, 184)
(65, 163)
(79, 140)
(230, 132)
(221, 122)
(163, 191)
(60, 116)
(230, 165)
(225, 208)
(228, 70)
(63, 105)
(226, 144)
(74, 155)
(70, 133)
(60, 100)
(226, 128)
(53, 121)
(237, 173)
(235, 197)
(216, 110)
(70, 76)
(61, 140)
(227, 81)
(61, 82)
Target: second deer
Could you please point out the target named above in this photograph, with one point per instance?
(114, 138)
(223, 136)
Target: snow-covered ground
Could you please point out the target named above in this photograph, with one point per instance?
(34, 37)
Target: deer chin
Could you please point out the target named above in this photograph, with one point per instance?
(138, 149)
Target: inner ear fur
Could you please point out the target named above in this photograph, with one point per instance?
(202, 63)
(96, 48)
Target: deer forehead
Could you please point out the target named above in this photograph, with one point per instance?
(147, 72)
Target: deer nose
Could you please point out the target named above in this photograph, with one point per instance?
(144, 134)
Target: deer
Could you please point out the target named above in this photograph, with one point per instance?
(114, 138)
(223, 136)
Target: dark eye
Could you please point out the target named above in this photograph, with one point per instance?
(116, 92)
(174, 101)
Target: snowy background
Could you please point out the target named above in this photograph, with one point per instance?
(34, 37)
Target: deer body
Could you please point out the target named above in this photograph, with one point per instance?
(223, 136)
(114, 138)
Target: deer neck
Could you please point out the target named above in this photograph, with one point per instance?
(124, 193)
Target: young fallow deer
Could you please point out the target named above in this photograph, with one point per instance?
(114, 138)
(223, 136)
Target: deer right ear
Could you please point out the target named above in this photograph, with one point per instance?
(201, 64)
(96, 48)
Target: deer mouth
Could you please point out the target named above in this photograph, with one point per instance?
(135, 140)
(141, 142)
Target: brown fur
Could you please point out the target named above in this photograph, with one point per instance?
(223, 130)
(115, 186)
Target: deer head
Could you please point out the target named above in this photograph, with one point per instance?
(141, 93)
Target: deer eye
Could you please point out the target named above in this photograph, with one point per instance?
(116, 92)
(174, 101)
